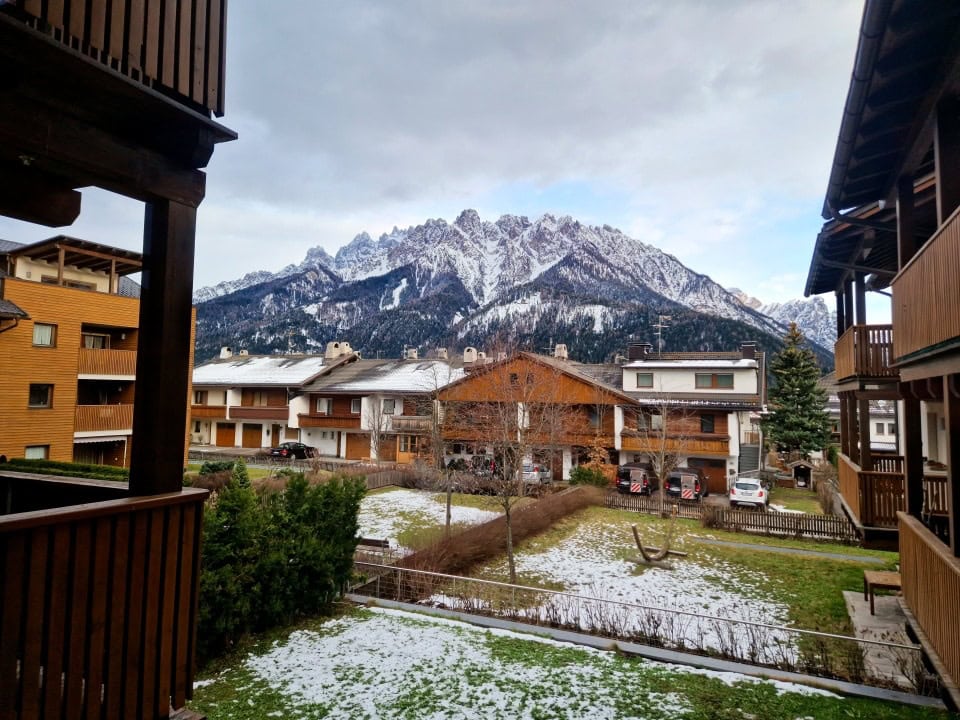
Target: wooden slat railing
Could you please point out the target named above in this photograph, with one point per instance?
(107, 362)
(935, 495)
(208, 411)
(926, 312)
(865, 351)
(750, 438)
(930, 576)
(887, 463)
(98, 418)
(411, 423)
(873, 497)
(848, 475)
(644, 443)
(99, 606)
(260, 412)
(346, 422)
(177, 45)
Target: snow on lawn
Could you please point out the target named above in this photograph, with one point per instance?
(386, 514)
(386, 663)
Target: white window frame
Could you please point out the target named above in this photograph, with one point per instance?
(324, 406)
(36, 452)
(391, 408)
(356, 406)
(644, 385)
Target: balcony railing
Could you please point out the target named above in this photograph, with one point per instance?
(259, 412)
(111, 363)
(178, 45)
(683, 445)
(412, 423)
(930, 577)
(865, 351)
(208, 411)
(103, 418)
(342, 422)
(874, 496)
(925, 309)
(98, 610)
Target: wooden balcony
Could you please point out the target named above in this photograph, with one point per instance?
(873, 496)
(925, 309)
(865, 351)
(99, 600)
(103, 418)
(930, 576)
(259, 412)
(216, 412)
(412, 423)
(107, 363)
(683, 445)
(337, 422)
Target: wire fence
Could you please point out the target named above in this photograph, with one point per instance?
(875, 662)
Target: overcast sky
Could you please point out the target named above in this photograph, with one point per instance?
(703, 127)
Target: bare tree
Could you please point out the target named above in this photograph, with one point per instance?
(378, 423)
(665, 433)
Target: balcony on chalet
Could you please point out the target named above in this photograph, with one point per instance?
(214, 412)
(412, 423)
(925, 309)
(103, 418)
(718, 445)
(97, 364)
(337, 421)
(98, 606)
(259, 412)
(866, 352)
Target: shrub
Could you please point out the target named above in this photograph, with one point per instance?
(588, 475)
(68, 469)
(214, 466)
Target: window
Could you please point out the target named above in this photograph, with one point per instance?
(389, 406)
(199, 397)
(408, 443)
(259, 398)
(44, 335)
(891, 429)
(720, 381)
(514, 379)
(879, 428)
(196, 426)
(355, 406)
(324, 406)
(656, 422)
(644, 380)
(706, 423)
(41, 396)
(36, 452)
(643, 421)
(95, 341)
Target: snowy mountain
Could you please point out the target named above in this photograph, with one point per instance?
(815, 320)
(472, 281)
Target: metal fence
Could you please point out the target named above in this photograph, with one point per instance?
(807, 651)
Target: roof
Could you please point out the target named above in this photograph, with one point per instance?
(7, 245)
(81, 254)
(10, 310)
(260, 370)
(906, 60)
(391, 375)
(719, 363)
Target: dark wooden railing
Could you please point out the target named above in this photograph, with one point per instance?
(107, 362)
(101, 418)
(259, 412)
(719, 445)
(887, 463)
(925, 309)
(99, 607)
(177, 45)
(935, 494)
(350, 422)
(865, 351)
(208, 411)
(411, 423)
(875, 497)
(930, 577)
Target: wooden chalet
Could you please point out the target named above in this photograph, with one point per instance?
(893, 225)
(98, 607)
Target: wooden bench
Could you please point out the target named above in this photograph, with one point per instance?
(878, 580)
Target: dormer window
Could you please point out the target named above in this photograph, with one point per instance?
(714, 381)
(644, 380)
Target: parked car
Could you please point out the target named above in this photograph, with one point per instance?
(675, 482)
(537, 474)
(637, 478)
(293, 450)
(748, 491)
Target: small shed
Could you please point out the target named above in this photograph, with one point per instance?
(802, 471)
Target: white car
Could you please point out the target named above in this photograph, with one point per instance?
(747, 491)
(536, 473)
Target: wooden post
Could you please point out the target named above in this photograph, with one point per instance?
(840, 314)
(844, 427)
(163, 349)
(61, 260)
(946, 147)
(906, 227)
(861, 294)
(866, 458)
(912, 452)
(848, 319)
(951, 412)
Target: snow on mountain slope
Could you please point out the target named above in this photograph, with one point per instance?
(815, 320)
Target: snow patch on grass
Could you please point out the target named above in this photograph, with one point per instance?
(385, 515)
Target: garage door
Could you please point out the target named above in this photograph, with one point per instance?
(716, 472)
(358, 446)
(252, 435)
(226, 434)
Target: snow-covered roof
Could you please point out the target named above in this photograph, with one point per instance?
(375, 376)
(262, 370)
(691, 364)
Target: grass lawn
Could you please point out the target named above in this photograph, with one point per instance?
(388, 664)
(799, 499)
(255, 473)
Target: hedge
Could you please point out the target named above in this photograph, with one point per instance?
(68, 469)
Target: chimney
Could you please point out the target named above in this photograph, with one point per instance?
(748, 351)
(481, 356)
(226, 353)
(469, 354)
(441, 353)
(638, 351)
(501, 356)
(411, 354)
(560, 351)
(243, 353)
(337, 348)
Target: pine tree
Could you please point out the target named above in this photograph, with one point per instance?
(799, 421)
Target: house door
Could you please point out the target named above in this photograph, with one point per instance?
(358, 446)
(226, 434)
(275, 435)
(252, 435)
(715, 472)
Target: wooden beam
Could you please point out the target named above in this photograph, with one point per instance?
(857, 267)
(160, 407)
(840, 314)
(951, 412)
(863, 422)
(906, 225)
(912, 454)
(33, 198)
(946, 148)
(861, 298)
(848, 303)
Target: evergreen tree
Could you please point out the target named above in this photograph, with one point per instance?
(799, 421)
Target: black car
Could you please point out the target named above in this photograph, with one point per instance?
(293, 450)
(695, 476)
(636, 478)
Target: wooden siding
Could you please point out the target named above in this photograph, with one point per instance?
(865, 351)
(685, 445)
(100, 418)
(100, 600)
(198, 412)
(275, 397)
(330, 421)
(107, 362)
(21, 363)
(260, 412)
(930, 578)
(926, 312)
(181, 50)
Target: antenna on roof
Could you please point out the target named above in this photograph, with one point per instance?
(660, 327)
